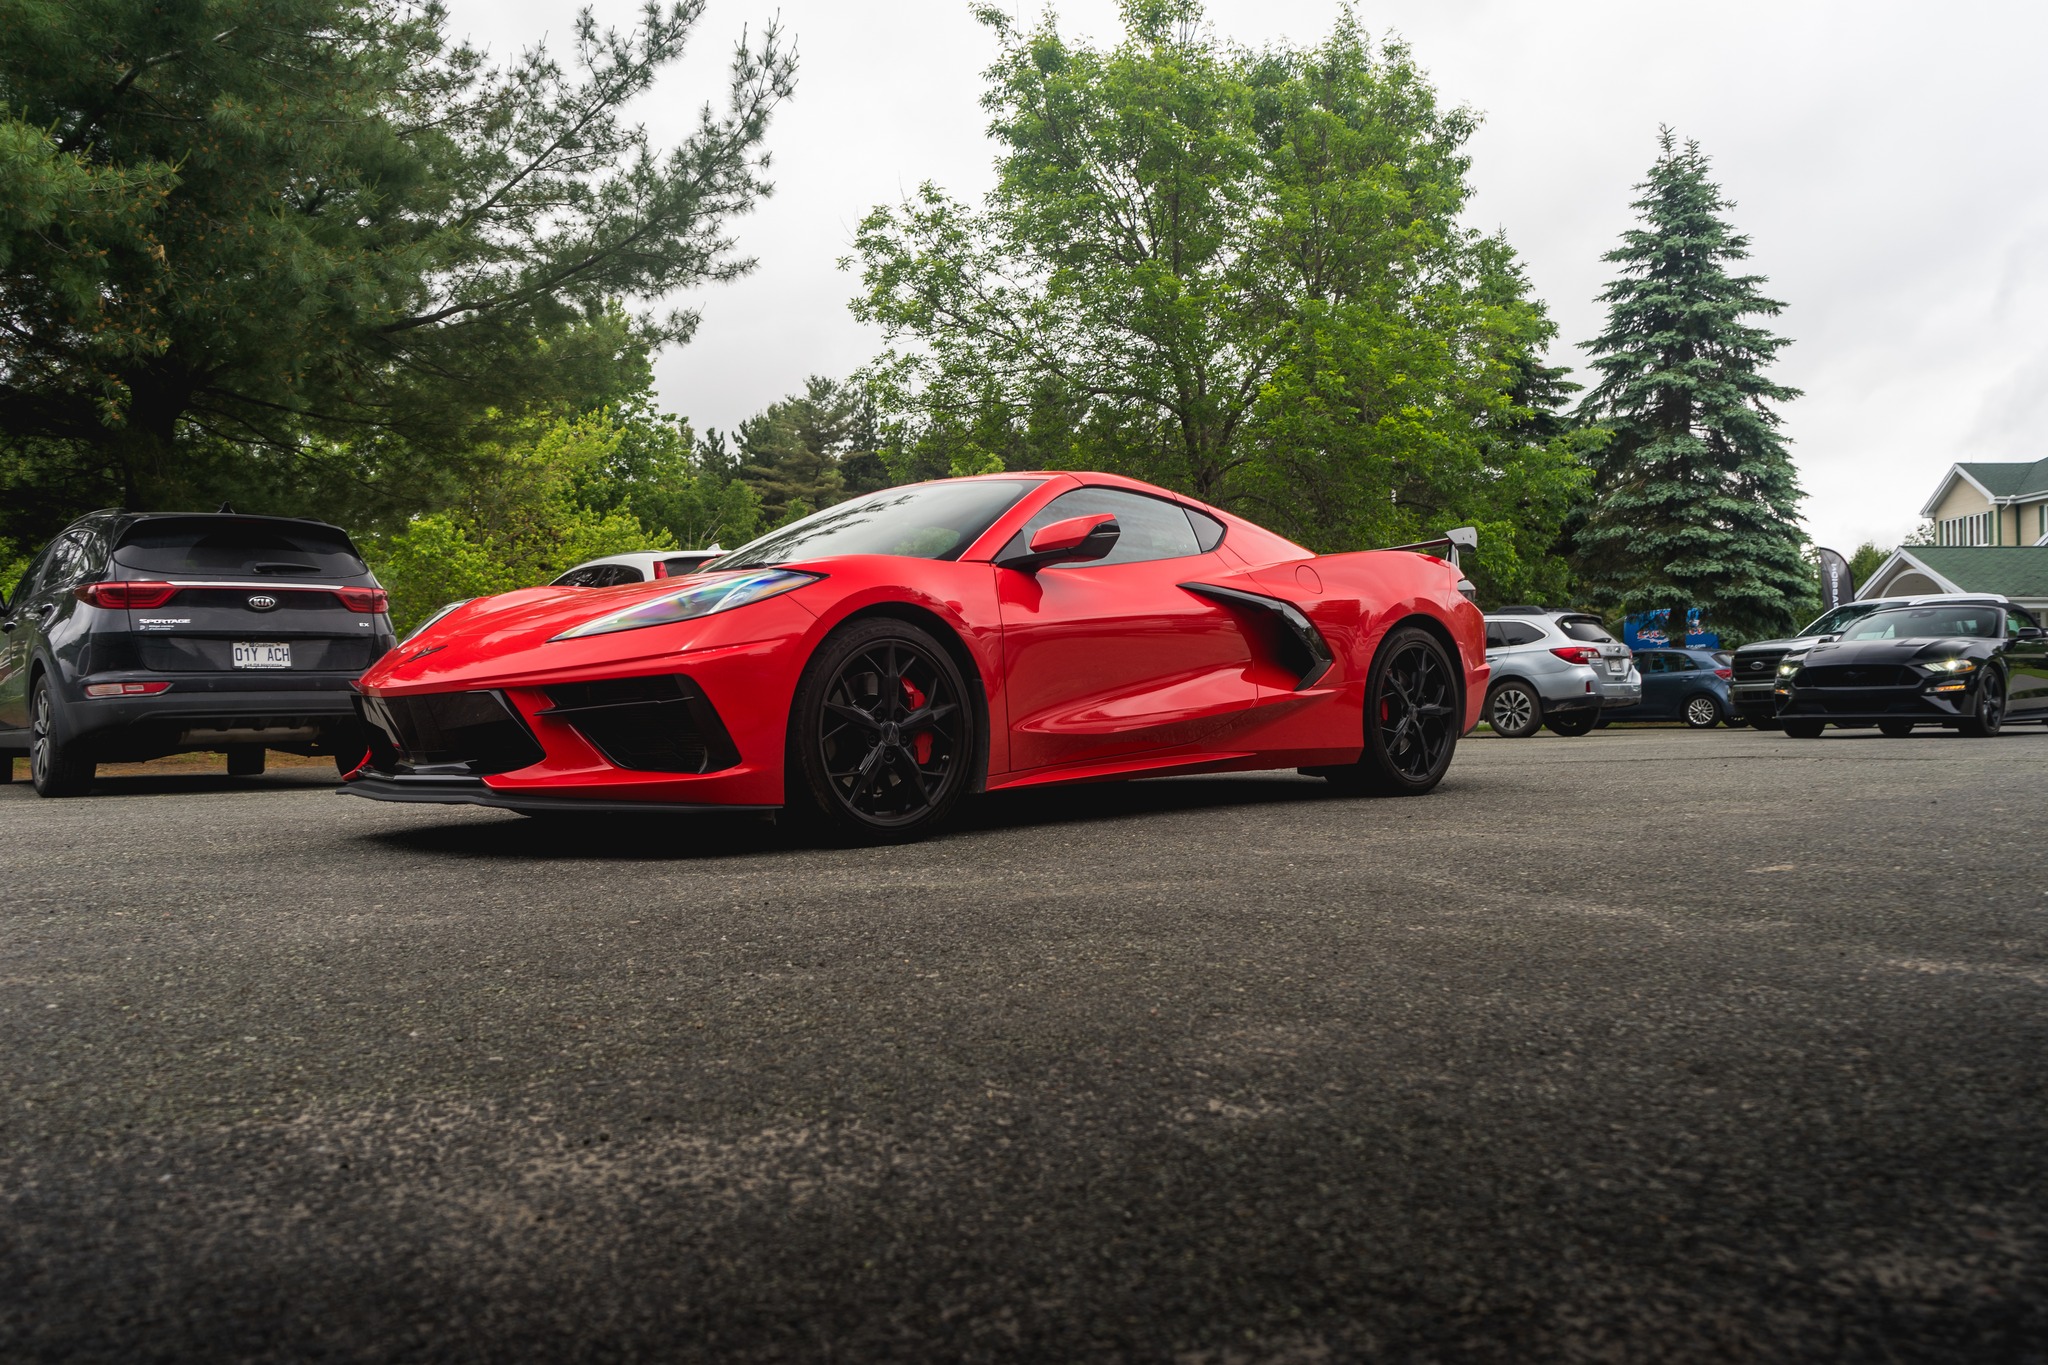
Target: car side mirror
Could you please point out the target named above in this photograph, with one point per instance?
(2031, 632)
(1827, 639)
(1077, 540)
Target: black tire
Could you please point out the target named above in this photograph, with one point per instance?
(882, 737)
(1988, 714)
(1700, 712)
(1895, 729)
(1413, 714)
(1571, 727)
(1803, 729)
(245, 760)
(54, 765)
(1513, 710)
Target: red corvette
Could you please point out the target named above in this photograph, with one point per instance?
(869, 666)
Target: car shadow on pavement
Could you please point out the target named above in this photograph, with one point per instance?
(625, 837)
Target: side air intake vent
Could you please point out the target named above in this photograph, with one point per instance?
(1296, 643)
(662, 724)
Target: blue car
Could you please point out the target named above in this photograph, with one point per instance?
(1682, 684)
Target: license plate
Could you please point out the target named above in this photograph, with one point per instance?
(1618, 667)
(262, 656)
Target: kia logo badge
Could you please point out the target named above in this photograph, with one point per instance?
(262, 601)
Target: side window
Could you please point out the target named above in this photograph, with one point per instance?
(1208, 530)
(1684, 663)
(1521, 632)
(25, 586)
(66, 565)
(576, 578)
(1496, 635)
(2016, 621)
(1650, 661)
(1147, 528)
(616, 574)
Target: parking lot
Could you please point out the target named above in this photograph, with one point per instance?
(1651, 1044)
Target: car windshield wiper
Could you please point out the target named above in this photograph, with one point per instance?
(284, 568)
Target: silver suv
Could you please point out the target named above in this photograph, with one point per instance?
(1554, 668)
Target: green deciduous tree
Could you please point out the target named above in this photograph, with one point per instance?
(1695, 497)
(282, 241)
(1237, 273)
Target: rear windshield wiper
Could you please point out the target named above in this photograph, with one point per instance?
(284, 568)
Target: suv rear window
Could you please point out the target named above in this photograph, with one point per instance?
(1585, 628)
(231, 545)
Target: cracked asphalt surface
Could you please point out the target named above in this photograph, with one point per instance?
(1647, 1045)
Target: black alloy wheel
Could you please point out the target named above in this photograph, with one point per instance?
(1572, 726)
(53, 766)
(1701, 712)
(1412, 719)
(1895, 729)
(1989, 712)
(1513, 710)
(881, 734)
(1803, 729)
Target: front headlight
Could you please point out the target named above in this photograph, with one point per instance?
(1787, 669)
(1954, 665)
(706, 598)
(423, 627)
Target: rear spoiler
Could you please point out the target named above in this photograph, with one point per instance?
(1456, 539)
(1451, 542)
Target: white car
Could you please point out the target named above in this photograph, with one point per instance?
(637, 567)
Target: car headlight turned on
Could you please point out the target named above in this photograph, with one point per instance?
(706, 598)
(1954, 665)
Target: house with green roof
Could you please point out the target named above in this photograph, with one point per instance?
(2002, 504)
(2019, 572)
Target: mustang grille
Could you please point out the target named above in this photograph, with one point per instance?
(447, 732)
(1858, 675)
(660, 724)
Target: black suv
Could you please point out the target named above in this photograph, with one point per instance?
(134, 635)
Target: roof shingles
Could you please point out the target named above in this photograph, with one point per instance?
(2014, 570)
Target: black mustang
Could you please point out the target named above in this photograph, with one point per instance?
(1971, 666)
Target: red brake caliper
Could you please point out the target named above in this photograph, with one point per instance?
(921, 743)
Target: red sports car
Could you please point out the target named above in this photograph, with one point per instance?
(869, 666)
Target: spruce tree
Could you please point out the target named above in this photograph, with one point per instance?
(1695, 501)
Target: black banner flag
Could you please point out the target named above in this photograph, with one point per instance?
(1836, 587)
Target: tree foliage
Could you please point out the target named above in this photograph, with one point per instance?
(314, 243)
(1695, 497)
(1238, 273)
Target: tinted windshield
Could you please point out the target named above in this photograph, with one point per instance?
(1928, 623)
(1839, 617)
(237, 546)
(922, 521)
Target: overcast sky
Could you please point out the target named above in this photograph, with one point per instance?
(1885, 159)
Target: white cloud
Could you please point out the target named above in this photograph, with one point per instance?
(1883, 157)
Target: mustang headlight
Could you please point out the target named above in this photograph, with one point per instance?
(1954, 665)
(706, 598)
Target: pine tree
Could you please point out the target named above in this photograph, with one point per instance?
(1695, 497)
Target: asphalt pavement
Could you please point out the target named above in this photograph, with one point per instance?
(1648, 1045)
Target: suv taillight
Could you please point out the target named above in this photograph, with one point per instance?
(364, 599)
(1578, 654)
(120, 596)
